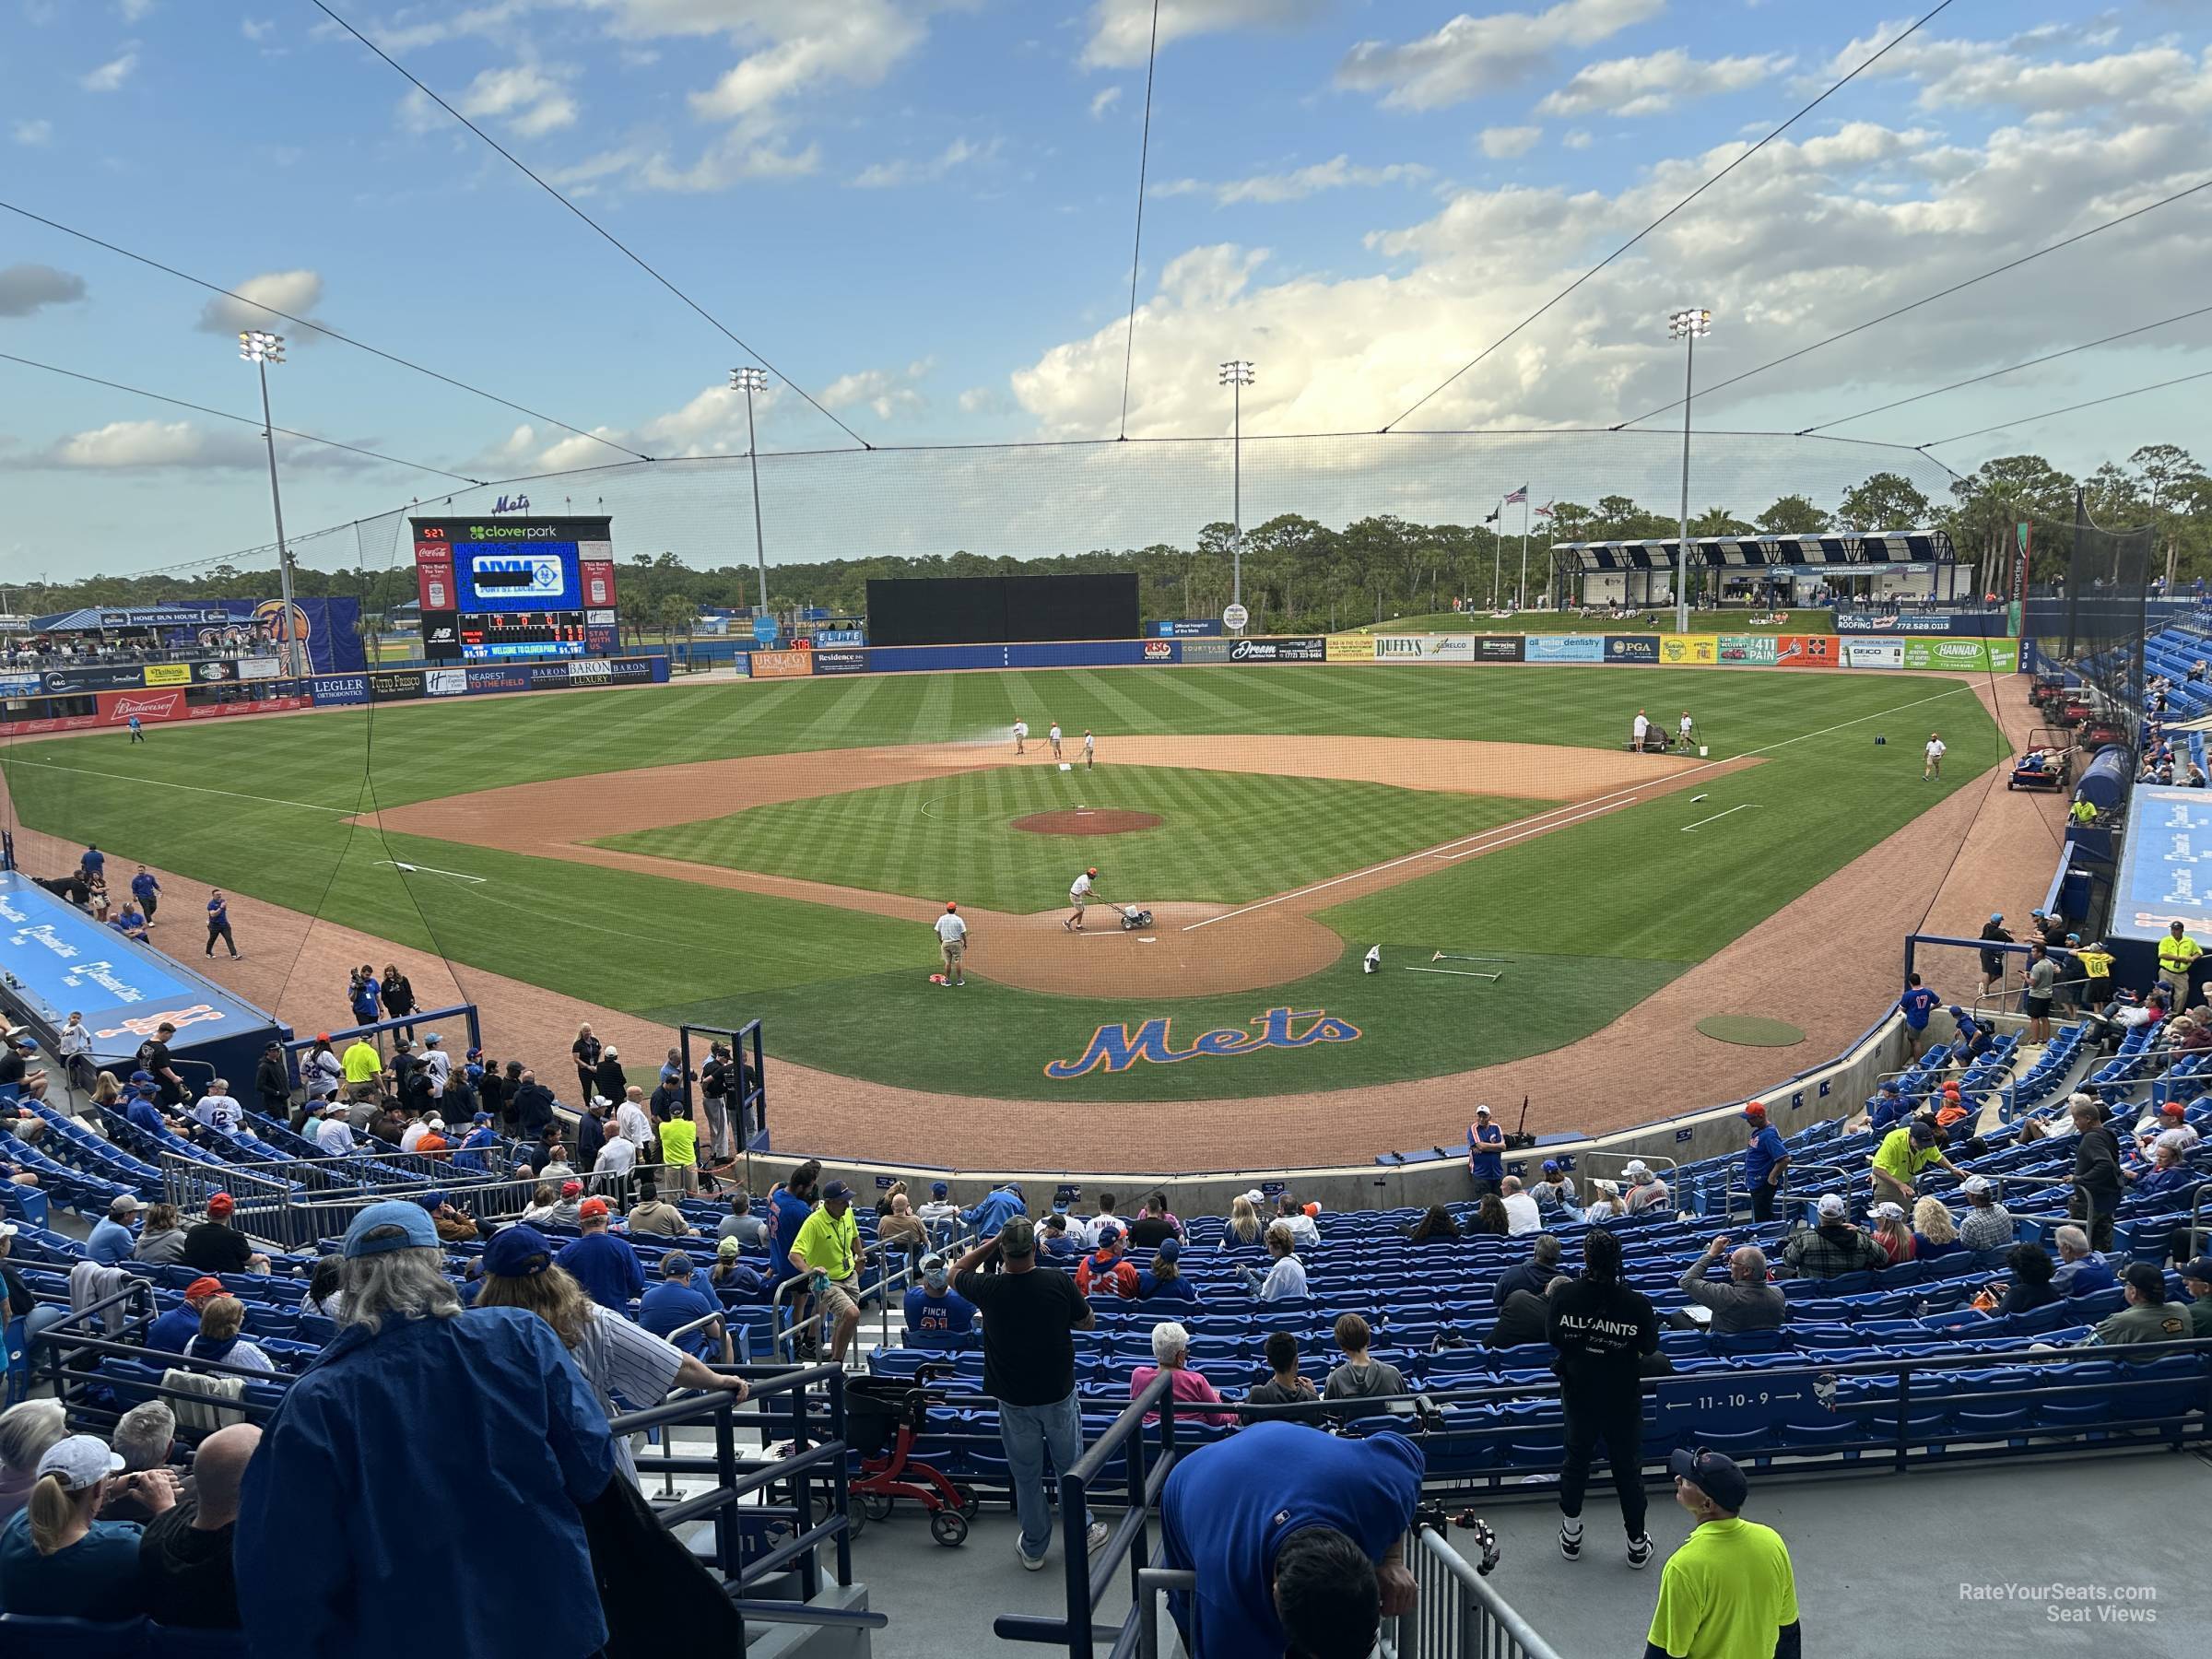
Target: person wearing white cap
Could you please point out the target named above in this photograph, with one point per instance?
(1646, 1190)
(1486, 1152)
(56, 1559)
(1987, 1225)
(1832, 1247)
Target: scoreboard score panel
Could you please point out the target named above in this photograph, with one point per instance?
(515, 587)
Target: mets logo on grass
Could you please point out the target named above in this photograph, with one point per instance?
(1116, 1048)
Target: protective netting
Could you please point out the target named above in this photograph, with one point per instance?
(2108, 582)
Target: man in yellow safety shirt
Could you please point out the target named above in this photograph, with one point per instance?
(2083, 812)
(1729, 1591)
(2177, 954)
(2094, 963)
(1905, 1151)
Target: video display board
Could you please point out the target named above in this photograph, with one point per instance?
(497, 588)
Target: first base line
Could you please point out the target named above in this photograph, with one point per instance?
(1717, 816)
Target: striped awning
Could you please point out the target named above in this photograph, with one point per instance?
(1763, 552)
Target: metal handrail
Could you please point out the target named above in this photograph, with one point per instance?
(1462, 1616)
(786, 1337)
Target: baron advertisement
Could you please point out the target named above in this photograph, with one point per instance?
(1631, 648)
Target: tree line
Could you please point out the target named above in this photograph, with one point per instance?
(1301, 575)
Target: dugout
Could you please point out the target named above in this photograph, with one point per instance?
(55, 958)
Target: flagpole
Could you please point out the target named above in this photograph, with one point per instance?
(1522, 604)
(1497, 550)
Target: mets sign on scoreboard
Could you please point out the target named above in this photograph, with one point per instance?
(2166, 869)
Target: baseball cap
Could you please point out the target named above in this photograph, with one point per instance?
(1715, 1476)
(81, 1460)
(222, 1204)
(571, 1189)
(676, 1264)
(1169, 1249)
(952, 904)
(433, 1040)
(1093, 871)
(322, 1036)
(1996, 915)
(201, 1289)
(1637, 1167)
(412, 1220)
(518, 1251)
(1890, 1086)
(591, 1209)
(1923, 1133)
(2200, 1270)
(729, 1247)
(1018, 1237)
(1973, 1186)
(1109, 1235)
(130, 1200)
(1756, 1113)
(1888, 1212)
(1482, 1111)
(142, 1077)
(1551, 1166)
(1831, 1204)
(2174, 1109)
(435, 1122)
(940, 1188)
(934, 1273)
(2145, 1280)
(430, 1201)
(481, 1117)
(836, 1189)
(1255, 1196)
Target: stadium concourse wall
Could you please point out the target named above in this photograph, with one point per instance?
(1875, 652)
(154, 700)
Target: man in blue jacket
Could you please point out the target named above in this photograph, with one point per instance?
(1297, 1540)
(1486, 1152)
(999, 1205)
(1766, 1160)
(347, 1464)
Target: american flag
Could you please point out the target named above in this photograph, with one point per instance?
(1520, 495)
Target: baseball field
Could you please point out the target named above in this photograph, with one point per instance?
(719, 852)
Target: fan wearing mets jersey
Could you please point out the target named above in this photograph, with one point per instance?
(1079, 895)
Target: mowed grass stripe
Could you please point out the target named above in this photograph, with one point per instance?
(1227, 837)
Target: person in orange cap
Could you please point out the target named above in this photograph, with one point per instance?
(952, 943)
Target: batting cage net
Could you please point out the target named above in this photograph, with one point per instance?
(2108, 584)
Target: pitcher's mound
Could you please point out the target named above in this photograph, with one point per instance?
(1081, 821)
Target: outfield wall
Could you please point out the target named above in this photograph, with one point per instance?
(162, 704)
(1872, 652)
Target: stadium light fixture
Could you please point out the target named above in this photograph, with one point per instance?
(749, 381)
(1685, 325)
(261, 349)
(1237, 374)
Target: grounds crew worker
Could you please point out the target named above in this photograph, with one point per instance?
(2177, 954)
(952, 943)
(2096, 964)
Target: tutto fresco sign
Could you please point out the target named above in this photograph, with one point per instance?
(1116, 1048)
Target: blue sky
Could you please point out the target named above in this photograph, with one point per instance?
(922, 212)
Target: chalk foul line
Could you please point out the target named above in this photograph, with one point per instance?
(1716, 817)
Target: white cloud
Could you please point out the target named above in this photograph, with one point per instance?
(297, 293)
(110, 76)
(1108, 96)
(1500, 142)
(529, 99)
(985, 400)
(1336, 173)
(730, 160)
(1576, 140)
(886, 175)
(32, 132)
(257, 29)
(24, 288)
(1470, 56)
(854, 43)
(164, 445)
(1786, 252)
(890, 392)
(1121, 32)
(1652, 85)
(133, 11)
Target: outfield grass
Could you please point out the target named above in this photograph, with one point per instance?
(1662, 616)
(1617, 905)
(1225, 837)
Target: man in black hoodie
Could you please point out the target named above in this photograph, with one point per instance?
(1600, 1330)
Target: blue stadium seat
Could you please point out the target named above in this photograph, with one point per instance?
(73, 1638)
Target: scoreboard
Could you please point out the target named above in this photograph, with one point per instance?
(498, 588)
